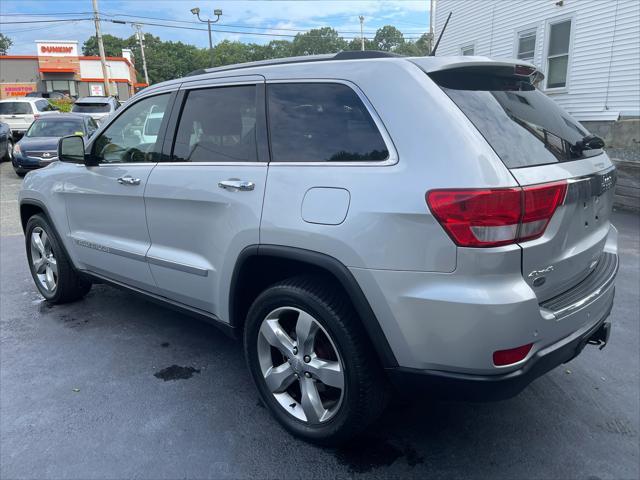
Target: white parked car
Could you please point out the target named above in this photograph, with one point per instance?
(19, 113)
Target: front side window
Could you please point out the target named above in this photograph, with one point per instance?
(558, 54)
(527, 46)
(124, 141)
(321, 122)
(216, 125)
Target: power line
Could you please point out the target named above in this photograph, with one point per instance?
(284, 29)
(155, 24)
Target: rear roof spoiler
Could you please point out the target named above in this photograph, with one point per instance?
(477, 64)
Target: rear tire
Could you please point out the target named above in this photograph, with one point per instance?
(327, 386)
(54, 276)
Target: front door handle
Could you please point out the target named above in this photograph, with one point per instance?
(128, 180)
(237, 185)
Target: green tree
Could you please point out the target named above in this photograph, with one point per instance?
(112, 46)
(318, 41)
(5, 44)
(388, 38)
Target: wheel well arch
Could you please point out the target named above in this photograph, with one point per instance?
(259, 266)
(28, 209)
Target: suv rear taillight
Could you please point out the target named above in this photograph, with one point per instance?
(494, 217)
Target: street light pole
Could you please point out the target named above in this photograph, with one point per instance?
(217, 12)
(361, 34)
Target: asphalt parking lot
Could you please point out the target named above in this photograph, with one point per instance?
(84, 394)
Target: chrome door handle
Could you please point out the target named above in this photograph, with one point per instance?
(127, 180)
(237, 185)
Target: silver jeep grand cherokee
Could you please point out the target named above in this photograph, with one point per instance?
(363, 221)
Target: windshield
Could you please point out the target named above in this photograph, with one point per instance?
(15, 108)
(55, 128)
(524, 126)
(90, 108)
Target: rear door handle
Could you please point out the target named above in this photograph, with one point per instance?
(237, 185)
(128, 180)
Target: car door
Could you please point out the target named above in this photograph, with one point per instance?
(105, 204)
(204, 205)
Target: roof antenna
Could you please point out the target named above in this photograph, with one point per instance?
(433, 52)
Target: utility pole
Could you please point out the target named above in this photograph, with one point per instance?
(103, 58)
(217, 12)
(361, 34)
(141, 43)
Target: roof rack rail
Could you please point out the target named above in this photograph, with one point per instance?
(347, 55)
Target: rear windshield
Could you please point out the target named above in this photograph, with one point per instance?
(15, 108)
(90, 107)
(524, 126)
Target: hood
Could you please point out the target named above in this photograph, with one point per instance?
(39, 144)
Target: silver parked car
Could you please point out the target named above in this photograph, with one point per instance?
(98, 108)
(364, 222)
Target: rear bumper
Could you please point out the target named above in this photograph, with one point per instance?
(460, 386)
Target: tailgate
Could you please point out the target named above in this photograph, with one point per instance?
(17, 122)
(574, 240)
(539, 143)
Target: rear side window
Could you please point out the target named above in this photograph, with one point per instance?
(524, 126)
(15, 108)
(43, 106)
(217, 125)
(321, 122)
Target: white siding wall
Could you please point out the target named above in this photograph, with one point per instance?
(603, 78)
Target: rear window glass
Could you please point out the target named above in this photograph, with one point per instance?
(90, 107)
(321, 122)
(524, 126)
(15, 108)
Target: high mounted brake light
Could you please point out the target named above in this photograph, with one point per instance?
(494, 217)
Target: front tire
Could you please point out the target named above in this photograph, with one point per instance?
(311, 362)
(51, 269)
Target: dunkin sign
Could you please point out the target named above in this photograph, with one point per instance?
(57, 49)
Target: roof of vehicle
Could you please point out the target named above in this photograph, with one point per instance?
(328, 61)
(100, 100)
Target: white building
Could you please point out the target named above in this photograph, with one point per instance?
(589, 50)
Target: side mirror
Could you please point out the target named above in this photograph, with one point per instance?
(55, 108)
(71, 149)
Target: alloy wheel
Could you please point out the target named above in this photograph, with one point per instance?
(43, 260)
(301, 365)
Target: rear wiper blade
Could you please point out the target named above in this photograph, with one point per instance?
(590, 142)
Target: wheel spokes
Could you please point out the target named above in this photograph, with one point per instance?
(49, 279)
(277, 337)
(39, 265)
(311, 402)
(306, 329)
(327, 371)
(279, 378)
(36, 241)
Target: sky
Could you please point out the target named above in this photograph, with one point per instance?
(247, 16)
